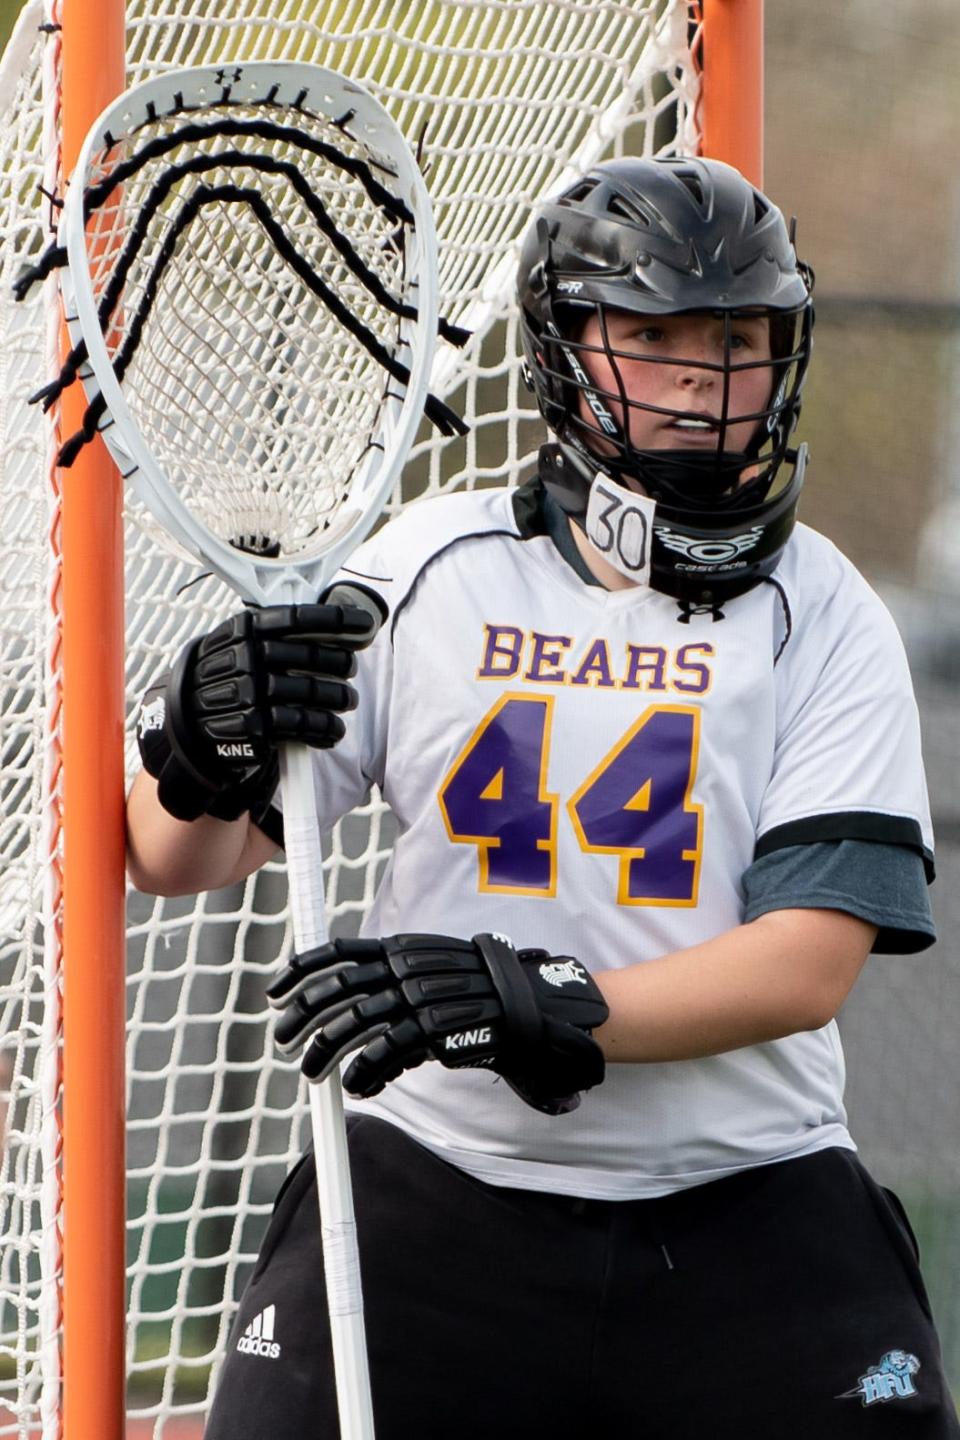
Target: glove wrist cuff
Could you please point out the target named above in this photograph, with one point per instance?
(524, 1019)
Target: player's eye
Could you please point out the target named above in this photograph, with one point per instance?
(636, 336)
(749, 335)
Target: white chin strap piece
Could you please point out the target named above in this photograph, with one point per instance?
(619, 524)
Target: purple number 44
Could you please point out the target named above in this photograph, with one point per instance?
(636, 804)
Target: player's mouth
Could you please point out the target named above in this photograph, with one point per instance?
(695, 430)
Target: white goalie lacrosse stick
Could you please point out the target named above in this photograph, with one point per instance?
(250, 290)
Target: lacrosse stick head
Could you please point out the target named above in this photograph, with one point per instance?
(251, 293)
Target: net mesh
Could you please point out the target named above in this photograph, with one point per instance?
(504, 99)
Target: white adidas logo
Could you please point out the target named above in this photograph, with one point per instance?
(258, 1339)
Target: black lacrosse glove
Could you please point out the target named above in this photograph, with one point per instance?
(209, 729)
(525, 1014)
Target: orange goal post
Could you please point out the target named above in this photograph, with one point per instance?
(146, 1118)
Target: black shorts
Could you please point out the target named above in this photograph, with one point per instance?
(782, 1302)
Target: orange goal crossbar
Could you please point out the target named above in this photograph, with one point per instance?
(731, 103)
(93, 1205)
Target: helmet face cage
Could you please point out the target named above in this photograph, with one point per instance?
(596, 420)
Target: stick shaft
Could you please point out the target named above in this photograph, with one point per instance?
(338, 1227)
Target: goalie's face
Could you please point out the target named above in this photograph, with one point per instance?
(699, 381)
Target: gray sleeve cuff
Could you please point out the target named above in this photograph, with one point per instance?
(884, 884)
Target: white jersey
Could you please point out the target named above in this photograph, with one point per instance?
(585, 772)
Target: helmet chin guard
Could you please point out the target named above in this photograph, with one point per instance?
(657, 238)
(702, 557)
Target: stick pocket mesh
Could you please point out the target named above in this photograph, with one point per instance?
(250, 293)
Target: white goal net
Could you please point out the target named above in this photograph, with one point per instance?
(503, 99)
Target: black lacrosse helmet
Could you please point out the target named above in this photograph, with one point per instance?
(667, 237)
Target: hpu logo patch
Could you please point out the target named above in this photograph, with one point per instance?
(258, 1339)
(563, 972)
(892, 1379)
(152, 716)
